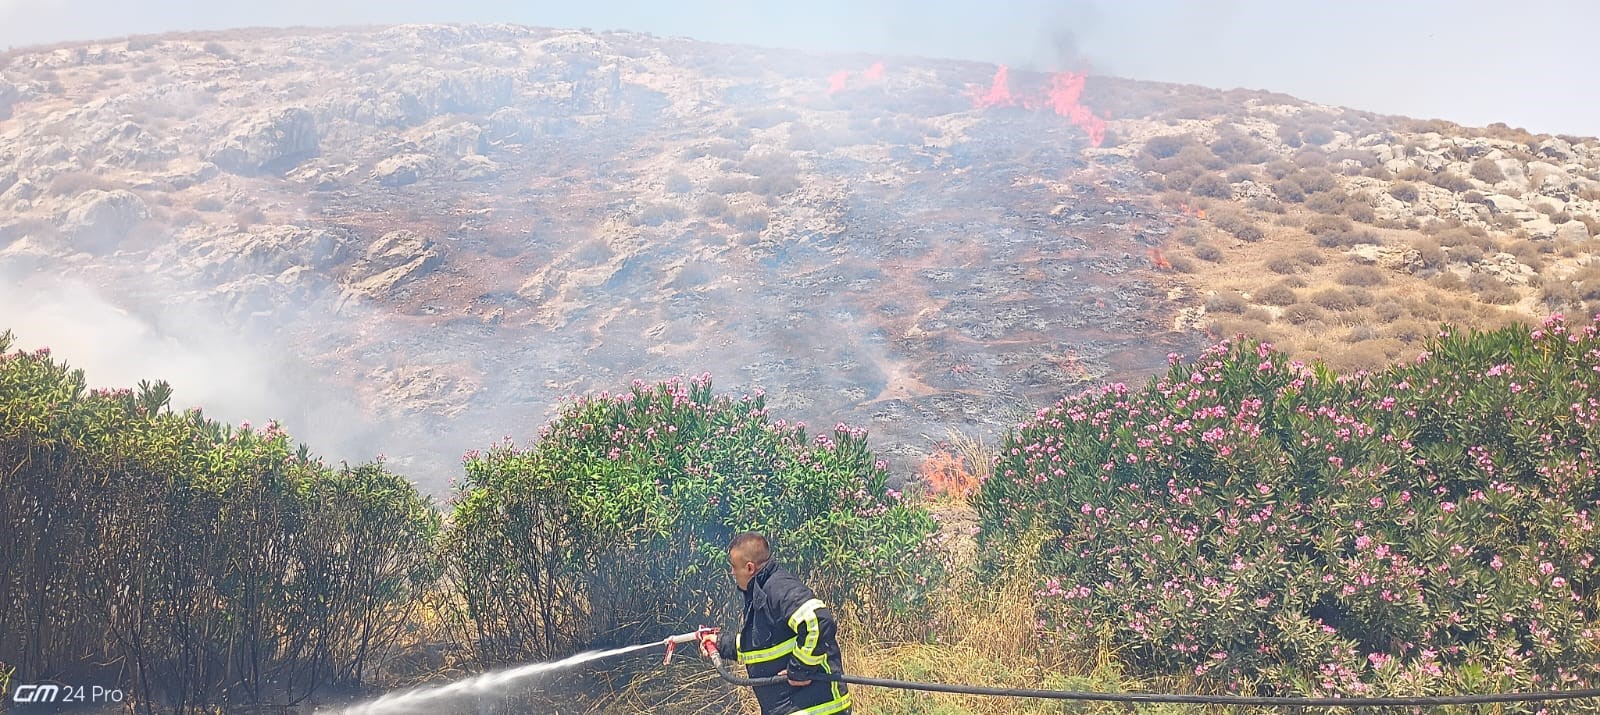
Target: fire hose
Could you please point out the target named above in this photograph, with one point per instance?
(1096, 696)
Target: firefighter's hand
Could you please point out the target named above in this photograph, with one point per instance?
(792, 681)
(708, 644)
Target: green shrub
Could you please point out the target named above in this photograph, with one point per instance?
(659, 478)
(1248, 520)
(163, 541)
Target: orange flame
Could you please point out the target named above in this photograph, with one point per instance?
(999, 94)
(946, 474)
(1159, 261)
(836, 82)
(1065, 90)
(1063, 97)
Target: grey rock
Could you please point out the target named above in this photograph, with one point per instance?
(271, 250)
(1556, 148)
(394, 259)
(1572, 231)
(477, 168)
(404, 170)
(9, 96)
(1540, 228)
(270, 142)
(101, 219)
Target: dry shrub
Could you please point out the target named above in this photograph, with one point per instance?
(1167, 147)
(1288, 189)
(1260, 315)
(730, 185)
(1448, 281)
(1451, 237)
(1236, 223)
(1361, 333)
(1316, 134)
(1469, 253)
(1228, 302)
(1236, 147)
(1316, 180)
(1181, 264)
(1409, 331)
(1188, 236)
(712, 206)
(1496, 293)
(1368, 355)
(1414, 174)
(1346, 238)
(1424, 308)
(1266, 204)
(1211, 186)
(1334, 299)
(1279, 295)
(1207, 251)
(76, 182)
(678, 183)
(1450, 181)
(656, 214)
(1285, 264)
(1311, 256)
(1360, 209)
(1530, 253)
(1319, 225)
(1388, 311)
(1303, 313)
(1280, 169)
(1289, 134)
(1361, 276)
(750, 219)
(1487, 171)
(1433, 256)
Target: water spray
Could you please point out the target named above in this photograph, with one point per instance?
(499, 682)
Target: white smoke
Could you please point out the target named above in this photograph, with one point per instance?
(208, 363)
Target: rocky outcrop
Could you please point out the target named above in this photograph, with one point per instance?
(8, 97)
(274, 250)
(99, 220)
(271, 142)
(404, 170)
(394, 259)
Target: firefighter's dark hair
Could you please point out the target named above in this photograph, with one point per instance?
(753, 545)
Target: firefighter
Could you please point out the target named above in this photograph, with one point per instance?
(786, 631)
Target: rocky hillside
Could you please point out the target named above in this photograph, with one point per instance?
(448, 228)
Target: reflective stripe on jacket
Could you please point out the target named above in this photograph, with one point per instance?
(786, 627)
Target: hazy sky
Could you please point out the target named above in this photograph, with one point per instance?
(1526, 63)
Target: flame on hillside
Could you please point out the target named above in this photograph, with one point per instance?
(1063, 96)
